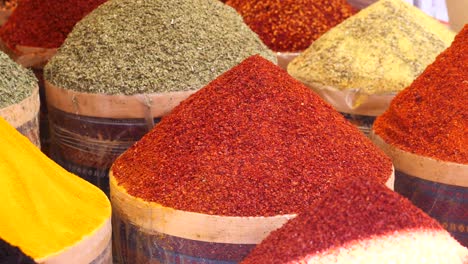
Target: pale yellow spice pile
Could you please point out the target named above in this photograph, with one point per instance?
(44, 209)
(382, 49)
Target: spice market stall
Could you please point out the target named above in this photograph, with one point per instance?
(370, 223)
(19, 98)
(424, 131)
(288, 27)
(229, 164)
(52, 215)
(359, 65)
(128, 64)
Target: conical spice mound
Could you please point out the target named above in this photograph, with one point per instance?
(360, 221)
(430, 117)
(133, 47)
(254, 142)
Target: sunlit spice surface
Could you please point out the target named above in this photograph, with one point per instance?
(430, 117)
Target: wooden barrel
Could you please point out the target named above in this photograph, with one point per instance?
(89, 131)
(359, 108)
(439, 188)
(148, 232)
(35, 58)
(24, 116)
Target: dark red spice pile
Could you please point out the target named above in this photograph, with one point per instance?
(430, 117)
(254, 142)
(291, 25)
(355, 210)
(10, 254)
(44, 23)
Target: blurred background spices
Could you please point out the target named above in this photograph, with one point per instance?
(291, 25)
(44, 23)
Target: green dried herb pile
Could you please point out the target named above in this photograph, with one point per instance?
(16, 82)
(141, 46)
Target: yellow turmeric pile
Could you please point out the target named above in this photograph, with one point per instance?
(44, 209)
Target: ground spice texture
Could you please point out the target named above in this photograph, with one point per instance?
(356, 210)
(44, 209)
(430, 117)
(44, 23)
(380, 50)
(254, 142)
(291, 25)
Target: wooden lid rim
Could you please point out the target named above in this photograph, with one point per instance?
(424, 167)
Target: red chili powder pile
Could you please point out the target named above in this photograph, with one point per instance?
(254, 142)
(430, 117)
(354, 211)
(44, 23)
(291, 25)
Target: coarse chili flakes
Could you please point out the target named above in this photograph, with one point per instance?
(291, 25)
(349, 222)
(254, 142)
(44, 23)
(430, 117)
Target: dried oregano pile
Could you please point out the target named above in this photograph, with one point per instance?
(140, 46)
(16, 82)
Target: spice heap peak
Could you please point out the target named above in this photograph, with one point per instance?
(44, 208)
(369, 224)
(44, 23)
(133, 47)
(16, 83)
(380, 50)
(254, 142)
(291, 25)
(430, 117)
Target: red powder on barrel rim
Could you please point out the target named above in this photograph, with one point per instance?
(44, 23)
(430, 117)
(291, 25)
(357, 209)
(254, 142)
